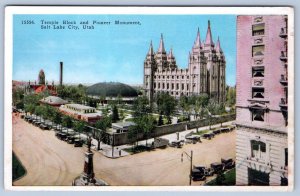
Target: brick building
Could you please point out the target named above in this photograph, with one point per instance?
(261, 108)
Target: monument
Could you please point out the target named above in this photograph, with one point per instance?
(87, 178)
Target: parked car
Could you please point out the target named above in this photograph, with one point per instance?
(44, 126)
(224, 130)
(78, 143)
(197, 175)
(217, 131)
(229, 163)
(207, 136)
(159, 143)
(193, 139)
(217, 167)
(205, 170)
(61, 136)
(70, 139)
(176, 143)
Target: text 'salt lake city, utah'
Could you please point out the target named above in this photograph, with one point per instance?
(191, 98)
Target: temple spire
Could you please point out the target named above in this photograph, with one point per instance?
(161, 48)
(208, 39)
(198, 40)
(150, 52)
(218, 45)
(171, 53)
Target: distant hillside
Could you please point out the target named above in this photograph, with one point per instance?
(111, 89)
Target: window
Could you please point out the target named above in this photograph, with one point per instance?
(258, 115)
(258, 71)
(167, 85)
(258, 29)
(182, 86)
(258, 93)
(172, 86)
(187, 87)
(163, 86)
(258, 149)
(177, 86)
(159, 85)
(154, 85)
(258, 50)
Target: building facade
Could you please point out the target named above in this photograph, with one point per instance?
(81, 112)
(261, 107)
(205, 73)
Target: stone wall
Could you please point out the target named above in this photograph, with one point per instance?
(122, 138)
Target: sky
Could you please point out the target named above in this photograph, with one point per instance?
(112, 53)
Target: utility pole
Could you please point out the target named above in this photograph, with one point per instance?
(190, 158)
(113, 144)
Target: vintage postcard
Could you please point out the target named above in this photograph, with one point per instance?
(149, 98)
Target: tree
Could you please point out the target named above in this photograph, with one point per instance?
(102, 126)
(39, 111)
(166, 105)
(160, 120)
(147, 122)
(230, 96)
(67, 121)
(115, 114)
(141, 106)
(102, 99)
(57, 118)
(133, 132)
(79, 127)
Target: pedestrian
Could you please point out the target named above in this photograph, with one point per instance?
(120, 152)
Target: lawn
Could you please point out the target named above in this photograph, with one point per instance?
(17, 168)
(137, 149)
(229, 179)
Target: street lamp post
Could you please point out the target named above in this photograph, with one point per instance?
(190, 158)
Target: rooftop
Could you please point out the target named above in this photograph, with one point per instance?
(79, 106)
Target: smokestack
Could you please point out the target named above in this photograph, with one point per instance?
(61, 74)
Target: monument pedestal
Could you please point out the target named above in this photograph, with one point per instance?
(87, 178)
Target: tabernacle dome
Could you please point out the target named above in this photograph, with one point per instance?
(111, 89)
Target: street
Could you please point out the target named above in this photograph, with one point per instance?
(50, 161)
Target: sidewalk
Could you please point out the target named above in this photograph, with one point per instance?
(119, 151)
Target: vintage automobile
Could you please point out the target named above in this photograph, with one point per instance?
(207, 136)
(197, 175)
(225, 130)
(217, 131)
(44, 126)
(205, 170)
(61, 136)
(176, 143)
(70, 139)
(193, 139)
(217, 167)
(229, 163)
(78, 143)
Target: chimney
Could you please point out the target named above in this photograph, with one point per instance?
(61, 74)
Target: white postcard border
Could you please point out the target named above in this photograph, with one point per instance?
(8, 56)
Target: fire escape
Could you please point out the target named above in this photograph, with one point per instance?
(283, 104)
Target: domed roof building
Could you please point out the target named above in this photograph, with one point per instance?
(111, 89)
